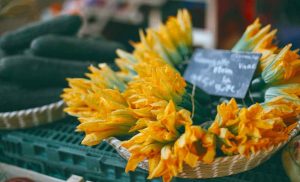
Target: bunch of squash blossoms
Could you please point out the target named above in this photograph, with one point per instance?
(148, 102)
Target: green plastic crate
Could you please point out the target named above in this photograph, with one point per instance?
(58, 147)
(55, 150)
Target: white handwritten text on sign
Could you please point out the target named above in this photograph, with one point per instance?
(223, 73)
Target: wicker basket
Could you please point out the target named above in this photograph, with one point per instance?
(32, 117)
(222, 166)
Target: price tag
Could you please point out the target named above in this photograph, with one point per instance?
(222, 73)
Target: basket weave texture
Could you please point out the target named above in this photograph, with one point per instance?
(32, 117)
(221, 166)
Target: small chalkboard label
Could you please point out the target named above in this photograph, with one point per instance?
(222, 73)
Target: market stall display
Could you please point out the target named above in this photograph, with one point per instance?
(162, 116)
(21, 38)
(74, 48)
(56, 150)
(35, 62)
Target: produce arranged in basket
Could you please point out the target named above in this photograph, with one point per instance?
(22, 76)
(34, 62)
(163, 117)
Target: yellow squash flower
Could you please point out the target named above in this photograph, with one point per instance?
(162, 36)
(126, 63)
(290, 92)
(277, 66)
(82, 99)
(226, 116)
(180, 31)
(156, 83)
(255, 128)
(247, 130)
(265, 46)
(98, 103)
(153, 88)
(165, 148)
(112, 118)
(281, 67)
(195, 144)
(283, 101)
(149, 100)
(192, 146)
(166, 83)
(259, 40)
(172, 42)
(153, 43)
(253, 36)
(280, 106)
(105, 77)
(75, 97)
(151, 141)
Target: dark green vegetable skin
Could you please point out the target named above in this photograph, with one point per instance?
(35, 72)
(257, 84)
(21, 38)
(75, 48)
(14, 97)
(2, 53)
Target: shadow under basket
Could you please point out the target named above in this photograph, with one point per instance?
(221, 166)
(32, 117)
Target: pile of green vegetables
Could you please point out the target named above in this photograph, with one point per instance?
(35, 61)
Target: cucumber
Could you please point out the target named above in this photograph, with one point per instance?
(2, 53)
(27, 52)
(75, 48)
(21, 38)
(31, 71)
(14, 97)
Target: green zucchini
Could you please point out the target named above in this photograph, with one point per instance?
(27, 52)
(31, 71)
(2, 53)
(21, 38)
(14, 97)
(75, 48)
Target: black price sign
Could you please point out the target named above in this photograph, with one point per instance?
(222, 73)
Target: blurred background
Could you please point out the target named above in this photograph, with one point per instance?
(36, 59)
(218, 23)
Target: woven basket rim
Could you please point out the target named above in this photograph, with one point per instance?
(32, 116)
(116, 144)
(43, 107)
